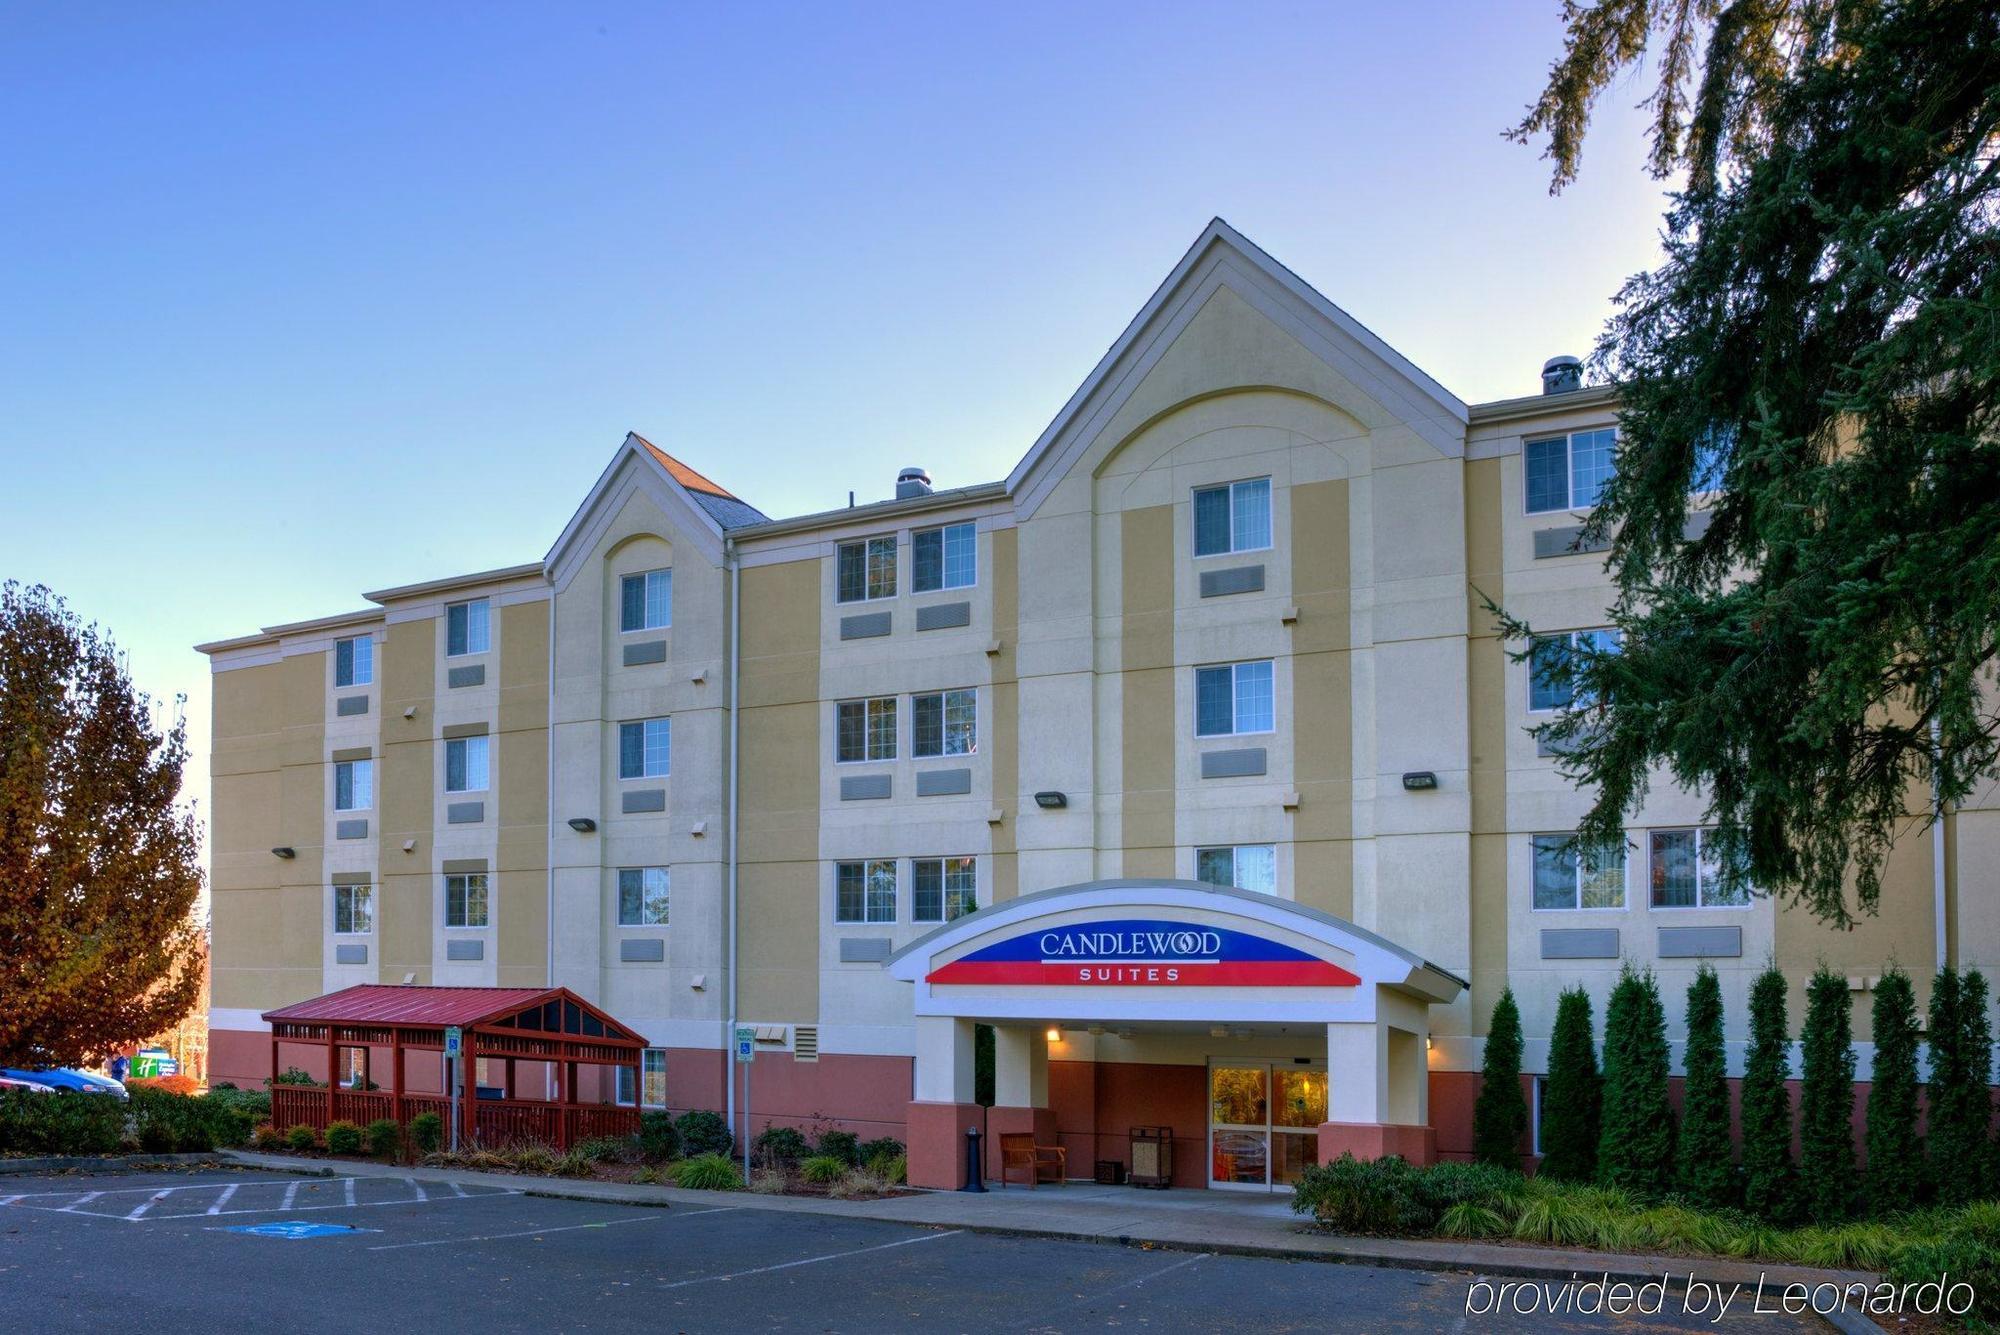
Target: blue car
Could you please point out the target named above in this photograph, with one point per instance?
(70, 1082)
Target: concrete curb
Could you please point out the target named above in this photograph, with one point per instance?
(105, 1163)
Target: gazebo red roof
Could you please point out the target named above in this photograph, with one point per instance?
(390, 1004)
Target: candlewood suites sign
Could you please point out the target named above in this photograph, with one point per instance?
(1143, 953)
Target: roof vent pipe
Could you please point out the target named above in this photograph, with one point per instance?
(1561, 375)
(912, 482)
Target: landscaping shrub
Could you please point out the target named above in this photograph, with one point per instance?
(168, 1123)
(384, 1138)
(302, 1138)
(897, 1170)
(704, 1133)
(267, 1137)
(426, 1132)
(886, 1147)
(842, 1145)
(768, 1182)
(1960, 1102)
(60, 1123)
(1961, 1257)
(780, 1146)
(1826, 1101)
(1895, 1154)
(1355, 1196)
(1635, 1146)
(1767, 1103)
(1571, 1096)
(1706, 1173)
(607, 1149)
(255, 1103)
(1500, 1115)
(856, 1182)
(183, 1085)
(343, 1138)
(291, 1075)
(823, 1168)
(531, 1158)
(708, 1172)
(658, 1141)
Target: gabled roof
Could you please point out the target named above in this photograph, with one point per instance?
(727, 509)
(703, 509)
(390, 1006)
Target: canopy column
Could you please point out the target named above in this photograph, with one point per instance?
(1020, 1089)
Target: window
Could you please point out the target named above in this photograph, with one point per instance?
(466, 630)
(944, 723)
(1567, 472)
(355, 1062)
(1235, 518)
(1233, 698)
(1567, 877)
(1550, 651)
(944, 558)
(1687, 875)
(354, 661)
(865, 891)
(942, 889)
(642, 896)
(353, 910)
(866, 570)
(653, 1075)
(353, 785)
(643, 749)
(866, 729)
(1242, 867)
(1535, 1116)
(646, 602)
(465, 900)
(465, 764)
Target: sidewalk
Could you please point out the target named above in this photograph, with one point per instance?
(1182, 1220)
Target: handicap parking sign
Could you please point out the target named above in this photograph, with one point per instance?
(296, 1228)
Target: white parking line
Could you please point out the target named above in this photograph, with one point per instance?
(350, 1191)
(88, 1197)
(140, 1209)
(656, 1216)
(290, 1191)
(223, 1199)
(149, 1211)
(812, 1260)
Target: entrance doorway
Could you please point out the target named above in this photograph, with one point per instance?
(1263, 1122)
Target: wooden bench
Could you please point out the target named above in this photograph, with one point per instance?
(1038, 1163)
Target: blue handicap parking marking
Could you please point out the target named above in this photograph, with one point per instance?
(297, 1228)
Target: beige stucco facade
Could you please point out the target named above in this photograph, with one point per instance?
(1393, 511)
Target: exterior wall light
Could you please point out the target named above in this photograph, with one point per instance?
(1051, 801)
(1055, 1033)
(1417, 780)
(582, 824)
(286, 852)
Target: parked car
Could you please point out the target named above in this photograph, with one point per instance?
(69, 1082)
(8, 1082)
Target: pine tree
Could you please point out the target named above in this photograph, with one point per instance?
(1635, 1146)
(1961, 1043)
(1707, 1170)
(1826, 1100)
(1571, 1095)
(1976, 1044)
(1500, 1117)
(1895, 1156)
(1768, 1181)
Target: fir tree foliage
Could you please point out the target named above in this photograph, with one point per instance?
(1768, 1177)
(1707, 1170)
(1571, 1093)
(1826, 1100)
(1895, 1155)
(1500, 1117)
(1961, 1053)
(1635, 1146)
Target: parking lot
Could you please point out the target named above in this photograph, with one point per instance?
(235, 1250)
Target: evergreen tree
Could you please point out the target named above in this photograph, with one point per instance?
(1571, 1095)
(1976, 1045)
(1635, 1146)
(1767, 1103)
(1961, 1043)
(1826, 1100)
(1895, 1156)
(1707, 1170)
(1500, 1117)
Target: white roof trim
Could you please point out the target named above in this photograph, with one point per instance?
(632, 468)
(1330, 332)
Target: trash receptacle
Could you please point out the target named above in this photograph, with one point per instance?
(1152, 1156)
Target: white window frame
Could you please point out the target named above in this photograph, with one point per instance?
(645, 750)
(333, 904)
(1571, 639)
(944, 913)
(1701, 874)
(1235, 852)
(867, 546)
(486, 900)
(666, 897)
(356, 804)
(868, 866)
(485, 749)
(1576, 904)
(944, 532)
(360, 673)
(867, 732)
(944, 699)
(1569, 439)
(1233, 549)
(1236, 699)
(624, 1099)
(485, 628)
(646, 601)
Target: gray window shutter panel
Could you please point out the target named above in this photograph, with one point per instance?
(343, 662)
(1215, 702)
(454, 629)
(631, 750)
(1211, 521)
(454, 766)
(632, 597)
(927, 561)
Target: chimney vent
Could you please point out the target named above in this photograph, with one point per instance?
(1560, 375)
(912, 482)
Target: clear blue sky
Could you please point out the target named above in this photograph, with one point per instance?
(297, 301)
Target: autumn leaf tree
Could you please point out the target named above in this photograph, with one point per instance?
(99, 944)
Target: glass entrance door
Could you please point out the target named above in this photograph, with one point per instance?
(1264, 1121)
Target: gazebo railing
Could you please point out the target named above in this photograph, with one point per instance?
(498, 1121)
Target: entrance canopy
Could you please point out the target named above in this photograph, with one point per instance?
(1142, 950)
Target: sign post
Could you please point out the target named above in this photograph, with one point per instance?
(452, 1038)
(746, 1052)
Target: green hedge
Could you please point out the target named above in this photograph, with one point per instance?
(182, 1124)
(60, 1123)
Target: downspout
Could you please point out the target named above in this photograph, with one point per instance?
(1937, 853)
(733, 559)
(549, 724)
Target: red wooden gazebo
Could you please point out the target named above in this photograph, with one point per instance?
(509, 1025)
